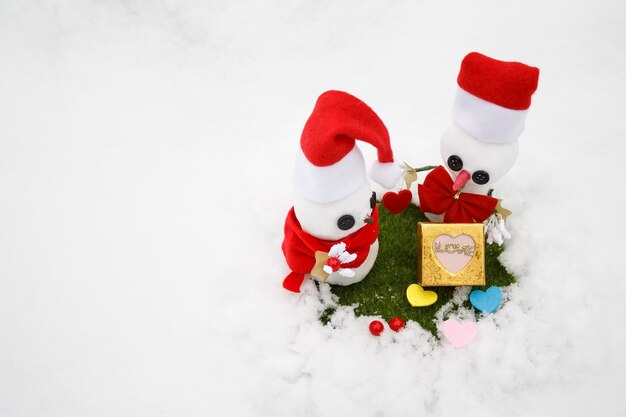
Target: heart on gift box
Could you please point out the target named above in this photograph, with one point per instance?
(397, 202)
(454, 253)
(487, 301)
(418, 297)
(459, 334)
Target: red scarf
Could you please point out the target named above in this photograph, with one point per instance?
(299, 248)
(437, 196)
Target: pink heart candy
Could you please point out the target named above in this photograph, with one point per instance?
(459, 334)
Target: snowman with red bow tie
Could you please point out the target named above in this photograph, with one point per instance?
(481, 145)
(331, 233)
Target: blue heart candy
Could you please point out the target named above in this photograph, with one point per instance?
(487, 301)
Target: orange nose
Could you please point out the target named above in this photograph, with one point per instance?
(461, 180)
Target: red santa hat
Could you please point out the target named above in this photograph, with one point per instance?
(329, 164)
(493, 97)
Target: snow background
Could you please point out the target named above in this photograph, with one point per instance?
(145, 166)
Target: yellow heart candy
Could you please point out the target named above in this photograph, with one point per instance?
(418, 297)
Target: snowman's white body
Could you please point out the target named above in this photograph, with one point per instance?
(320, 221)
(494, 158)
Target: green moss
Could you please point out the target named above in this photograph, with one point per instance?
(382, 292)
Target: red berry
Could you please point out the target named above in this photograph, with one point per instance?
(333, 263)
(396, 324)
(376, 328)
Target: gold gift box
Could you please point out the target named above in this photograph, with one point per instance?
(451, 254)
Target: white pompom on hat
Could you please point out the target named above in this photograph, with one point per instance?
(493, 97)
(329, 165)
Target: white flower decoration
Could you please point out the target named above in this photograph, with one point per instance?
(495, 229)
(338, 255)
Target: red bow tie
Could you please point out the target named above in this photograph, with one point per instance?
(437, 196)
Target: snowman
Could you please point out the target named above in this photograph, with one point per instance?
(481, 144)
(331, 233)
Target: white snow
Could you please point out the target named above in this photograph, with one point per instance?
(145, 171)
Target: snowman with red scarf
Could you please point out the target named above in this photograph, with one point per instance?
(331, 233)
(481, 145)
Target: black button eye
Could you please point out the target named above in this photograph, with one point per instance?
(455, 163)
(373, 200)
(480, 177)
(345, 222)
